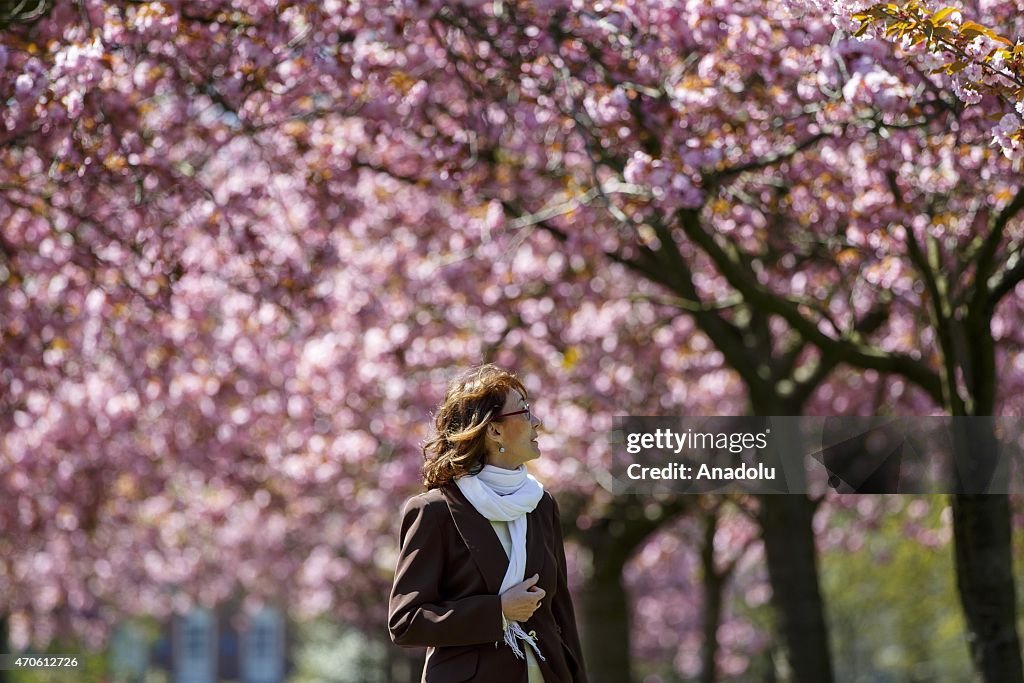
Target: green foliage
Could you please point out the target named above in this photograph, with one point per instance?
(942, 32)
(328, 653)
(893, 607)
(921, 23)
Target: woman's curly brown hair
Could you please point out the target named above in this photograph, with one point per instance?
(458, 446)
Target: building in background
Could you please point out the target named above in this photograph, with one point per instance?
(207, 646)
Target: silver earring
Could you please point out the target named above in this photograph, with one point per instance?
(501, 449)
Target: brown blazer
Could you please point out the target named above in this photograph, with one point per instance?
(445, 595)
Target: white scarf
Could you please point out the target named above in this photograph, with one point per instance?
(503, 495)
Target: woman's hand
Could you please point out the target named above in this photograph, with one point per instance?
(520, 601)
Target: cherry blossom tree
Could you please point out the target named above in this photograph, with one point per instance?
(242, 248)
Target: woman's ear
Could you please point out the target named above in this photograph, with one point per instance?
(492, 431)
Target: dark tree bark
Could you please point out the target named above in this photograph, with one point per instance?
(604, 611)
(15, 12)
(796, 597)
(969, 381)
(714, 586)
(791, 555)
(982, 532)
(984, 572)
(604, 604)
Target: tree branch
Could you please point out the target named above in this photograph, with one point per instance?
(846, 350)
(712, 180)
(1000, 283)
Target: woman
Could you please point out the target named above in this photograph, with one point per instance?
(481, 578)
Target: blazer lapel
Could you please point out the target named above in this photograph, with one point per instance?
(480, 538)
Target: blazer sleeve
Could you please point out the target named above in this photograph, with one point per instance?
(562, 608)
(418, 615)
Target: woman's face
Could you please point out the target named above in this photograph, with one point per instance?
(517, 433)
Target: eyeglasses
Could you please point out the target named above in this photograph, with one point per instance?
(529, 413)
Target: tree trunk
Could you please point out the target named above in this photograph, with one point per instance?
(983, 551)
(714, 585)
(604, 616)
(788, 532)
(793, 572)
(603, 609)
(984, 573)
